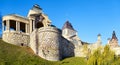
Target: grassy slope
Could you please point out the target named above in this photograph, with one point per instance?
(15, 55)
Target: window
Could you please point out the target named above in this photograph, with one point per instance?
(4, 23)
(12, 25)
(22, 27)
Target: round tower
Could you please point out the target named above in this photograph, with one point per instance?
(49, 39)
(99, 37)
(99, 42)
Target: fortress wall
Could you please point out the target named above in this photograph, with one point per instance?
(116, 50)
(33, 40)
(16, 38)
(48, 43)
(49, 40)
(80, 51)
(67, 48)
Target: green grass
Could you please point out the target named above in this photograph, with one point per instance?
(73, 61)
(16, 55)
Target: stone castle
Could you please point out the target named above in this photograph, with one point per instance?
(46, 40)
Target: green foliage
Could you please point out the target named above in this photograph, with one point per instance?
(94, 58)
(73, 61)
(107, 57)
(116, 62)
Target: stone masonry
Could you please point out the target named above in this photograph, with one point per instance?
(16, 38)
(48, 43)
(46, 40)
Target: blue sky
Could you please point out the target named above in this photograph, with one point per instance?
(88, 17)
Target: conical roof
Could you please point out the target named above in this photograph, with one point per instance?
(68, 25)
(114, 36)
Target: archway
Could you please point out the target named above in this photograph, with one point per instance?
(39, 25)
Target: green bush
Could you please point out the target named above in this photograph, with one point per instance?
(106, 57)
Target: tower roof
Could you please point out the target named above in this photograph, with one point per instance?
(114, 36)
(36, 6)
(68, 25)
(99, 34)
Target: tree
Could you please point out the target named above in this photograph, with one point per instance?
(107, 57)
(93, 59)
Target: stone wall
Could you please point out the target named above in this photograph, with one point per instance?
(79, 51)
(48, 43)
(33, 41)
(67, 48)
(16, 38)
(45, 42)
(49, 39)
(116, 50)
